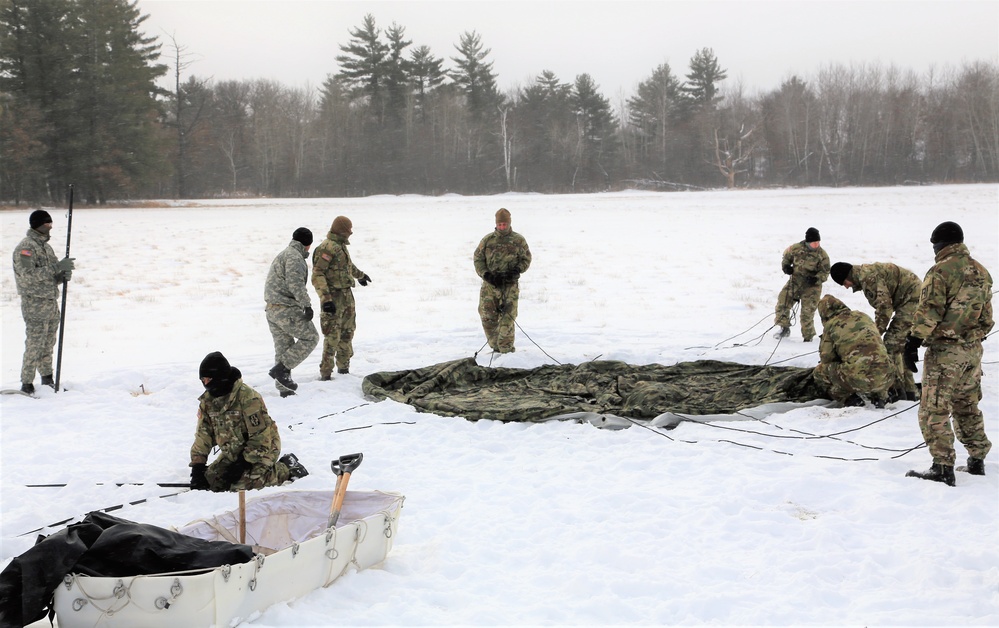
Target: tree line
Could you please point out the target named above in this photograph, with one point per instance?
(79, 103)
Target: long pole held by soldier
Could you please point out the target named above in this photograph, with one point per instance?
(65, 287)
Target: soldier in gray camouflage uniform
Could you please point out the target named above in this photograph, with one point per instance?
(953, 317)
(500, 258)
(38, 273)
(894, 293)
(232, 416)
(289, 310)
(333, 276)
(853, 359)
(808, 265)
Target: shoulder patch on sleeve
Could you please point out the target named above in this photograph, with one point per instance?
(327, 257)
(26, 252)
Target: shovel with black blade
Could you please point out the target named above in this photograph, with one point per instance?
(342, 467)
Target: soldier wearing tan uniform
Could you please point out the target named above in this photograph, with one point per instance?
(853, 359)
(953, 317)
(893, 292)
(333, 276)
(232, 416)
(499, 259)
(808, 266)
(38, 273)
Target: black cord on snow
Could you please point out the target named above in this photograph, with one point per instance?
(536, 344)
(326, 416)
(805, 436)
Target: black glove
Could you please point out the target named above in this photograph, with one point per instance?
(491, 279)
(512, 276)
(788, 269)
(329, 307)
(233, 473)
(309, 313)
(198, 480)
(364, 280)
(910, 355)
(812, 280)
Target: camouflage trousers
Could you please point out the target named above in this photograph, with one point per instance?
(796, 290)
(952, 387)
(338, 333)
(41, 327)
(257, 476)
(843, 380)
(294, 336)
(498, 312)
(894, 339)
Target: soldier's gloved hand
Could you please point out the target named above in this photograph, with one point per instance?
(198, 480)
(490, 278)
(910, 355)
(512, 276)
(329, 307)
(364, 280)
(65, 275)
(66, 263)
(788, 269)
(812, 280)
(309, 313)
(234, 472)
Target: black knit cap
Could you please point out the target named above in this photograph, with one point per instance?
(947, 233)
(302, 235)
(38, 218)
(840, 272)
(215, 366)
(812, 235)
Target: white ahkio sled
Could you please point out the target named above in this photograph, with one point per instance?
(302, 540)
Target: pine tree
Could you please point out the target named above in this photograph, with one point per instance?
(701, 87)
(597, 129)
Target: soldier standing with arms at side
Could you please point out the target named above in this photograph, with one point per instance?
(333, 276)
(232, 416)
(893, 292)
(38, 273)
(289, 310)
(500, 259)
(953, 317)
(808, 265)
(853, 359)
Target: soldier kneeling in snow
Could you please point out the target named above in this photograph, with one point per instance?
(853, 359)
(232, 416)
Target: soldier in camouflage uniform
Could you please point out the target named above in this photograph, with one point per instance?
(232, 416)
(852, 357)
(953, 317)
(500, 259)
(38, 273)
(894, 293)
(333, 276)
(808, 265)
(289, 310)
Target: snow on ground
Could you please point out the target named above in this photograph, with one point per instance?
(555, 523)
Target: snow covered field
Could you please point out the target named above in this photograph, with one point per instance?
(511, 523)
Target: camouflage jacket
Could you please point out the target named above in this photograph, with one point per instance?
(332, 268)
(849, 337)
(955, 303)
(805, 261)
(287, 278)
(239, 425)
(502, 253)
(34, 267)
(887, 287)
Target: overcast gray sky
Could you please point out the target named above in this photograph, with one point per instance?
(618, 43)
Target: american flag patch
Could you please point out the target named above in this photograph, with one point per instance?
(26, 252)
(327, 257)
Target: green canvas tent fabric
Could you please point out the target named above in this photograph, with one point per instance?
(703, 387)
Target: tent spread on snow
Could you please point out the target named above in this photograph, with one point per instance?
(106, 571)
(652, 392)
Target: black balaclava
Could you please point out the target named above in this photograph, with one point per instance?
(223, 375)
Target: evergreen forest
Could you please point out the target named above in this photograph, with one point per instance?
(82, 101)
